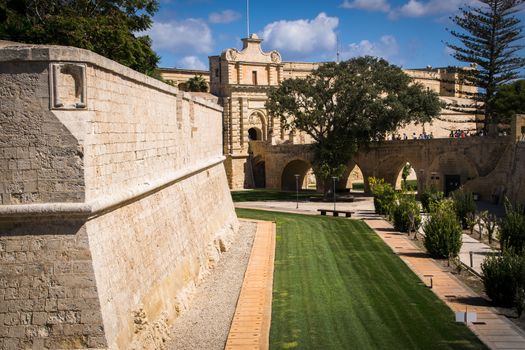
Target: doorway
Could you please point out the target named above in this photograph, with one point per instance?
(452, 183)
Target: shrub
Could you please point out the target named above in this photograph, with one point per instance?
(430, 196)
(405, 213)
(464, 204)
(471, 220)
(443, 231)
(503, 276)
(384, 195)
(491, 224)
(512, 230)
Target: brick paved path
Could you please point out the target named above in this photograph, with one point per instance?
(250, 327)
(494, 330)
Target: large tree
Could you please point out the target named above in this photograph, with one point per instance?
(489, 37)
(107, 27)
(347, 105)
(509, 101)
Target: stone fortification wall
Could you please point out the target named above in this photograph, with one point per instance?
(114, 201)
(507, 177)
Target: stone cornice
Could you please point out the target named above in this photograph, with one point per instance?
(103, 205)
(262, 64)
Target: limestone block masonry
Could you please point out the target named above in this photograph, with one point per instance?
(114, 201)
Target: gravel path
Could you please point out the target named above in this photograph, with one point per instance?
(206, 323)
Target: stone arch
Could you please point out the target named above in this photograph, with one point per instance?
(353, 174)
(390, 167)
(297, 166)
(412, 176)
(257, 121)
(451, 164)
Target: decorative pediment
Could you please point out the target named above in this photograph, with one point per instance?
(252, 52)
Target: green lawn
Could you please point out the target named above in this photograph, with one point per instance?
(338, 286)
(268, 195)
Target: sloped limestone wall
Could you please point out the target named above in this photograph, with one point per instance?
(124, 206)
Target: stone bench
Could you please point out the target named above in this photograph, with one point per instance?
(347, 213)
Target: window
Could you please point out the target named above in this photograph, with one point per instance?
(254, 77)
(217, 72)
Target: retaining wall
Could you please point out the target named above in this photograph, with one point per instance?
(114, 200)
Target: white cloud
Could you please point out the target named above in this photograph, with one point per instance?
(186, 36)
(386, 48)
(369, 5)
(191, 62)
(419, 8)
(302, 36)
(226, 16)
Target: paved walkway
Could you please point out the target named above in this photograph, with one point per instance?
(494, 330)
(479, 252)
(250, 327)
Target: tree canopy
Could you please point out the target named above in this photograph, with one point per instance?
(489, 36)
(107, 27)
(347, 105)
(509, 101)
(196, 84)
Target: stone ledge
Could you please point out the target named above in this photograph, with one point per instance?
(100, 206)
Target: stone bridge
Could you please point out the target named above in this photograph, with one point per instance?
(443, 163)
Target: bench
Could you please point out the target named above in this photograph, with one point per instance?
(347, 213)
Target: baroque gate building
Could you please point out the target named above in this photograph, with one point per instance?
(240, 79)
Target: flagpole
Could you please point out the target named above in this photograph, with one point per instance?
(248, 17)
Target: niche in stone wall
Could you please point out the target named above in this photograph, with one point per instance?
(68, 85)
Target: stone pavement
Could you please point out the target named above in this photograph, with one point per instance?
(250, 327)
(479, 252)
(493, 329)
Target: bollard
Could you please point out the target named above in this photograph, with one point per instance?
(471, 259)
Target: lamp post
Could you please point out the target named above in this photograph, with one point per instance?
(334, 178)
(296, 191)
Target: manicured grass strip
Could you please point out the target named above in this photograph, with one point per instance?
(338, 286)
(267, 195)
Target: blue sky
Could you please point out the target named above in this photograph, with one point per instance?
(409, 33)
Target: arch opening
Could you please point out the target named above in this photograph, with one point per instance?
(305, 179)
(354, 179)
(257, 127)
(407, 178)
(254, 134)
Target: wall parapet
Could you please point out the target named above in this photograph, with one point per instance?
(18, 52)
